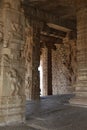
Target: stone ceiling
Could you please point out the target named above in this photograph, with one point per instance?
(60, 8)
(53, 6)
(64, 10)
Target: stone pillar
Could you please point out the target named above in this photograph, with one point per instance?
(36, 63)
(28, 60)
(46, 57)
(32, 57)
(49, 47)
(44, 63)
(81, 81)
(12, 99)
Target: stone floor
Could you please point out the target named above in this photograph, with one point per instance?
(18, 127)
(52, 113)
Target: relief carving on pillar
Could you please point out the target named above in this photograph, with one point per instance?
(28, 86)
(6, 60)
(12, 68)
(15, 82)
(1, 42)
(31, 55)
(7, 40)
(1, 33)
(17, 30)
(28, 43)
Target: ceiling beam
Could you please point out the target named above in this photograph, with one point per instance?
(52, 35)
(50, 40)
(58, 27)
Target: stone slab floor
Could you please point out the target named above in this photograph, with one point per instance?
(52, 113)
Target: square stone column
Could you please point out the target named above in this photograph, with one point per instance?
(81, 79)
(12, 71)
(36, 64)
(44, 69)
(32, 58)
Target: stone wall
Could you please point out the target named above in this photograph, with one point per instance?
(64, 68)
(81, 82)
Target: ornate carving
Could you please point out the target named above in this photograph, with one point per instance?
(17, 30)
(12, 74)
(15, 82)
(1, 36)
(7, 40)
(28, 43)
(6, 60)
(28, 87)
(1, 32)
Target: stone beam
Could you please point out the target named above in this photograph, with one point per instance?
(49, 39)
(58, 27)
(51, 35)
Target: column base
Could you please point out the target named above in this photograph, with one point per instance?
(12, 110)
(79, 100)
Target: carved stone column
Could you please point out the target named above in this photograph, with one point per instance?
(36, 63)
(12, 99)
(28, 49)
(32, 57)
(44, 63)
(81, 82)
(49, 47)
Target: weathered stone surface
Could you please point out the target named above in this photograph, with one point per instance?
(28, 59)
(81, 80)
(32, 60)
(59, 72)
(44, 67)
(64, 67)
(12, 75)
